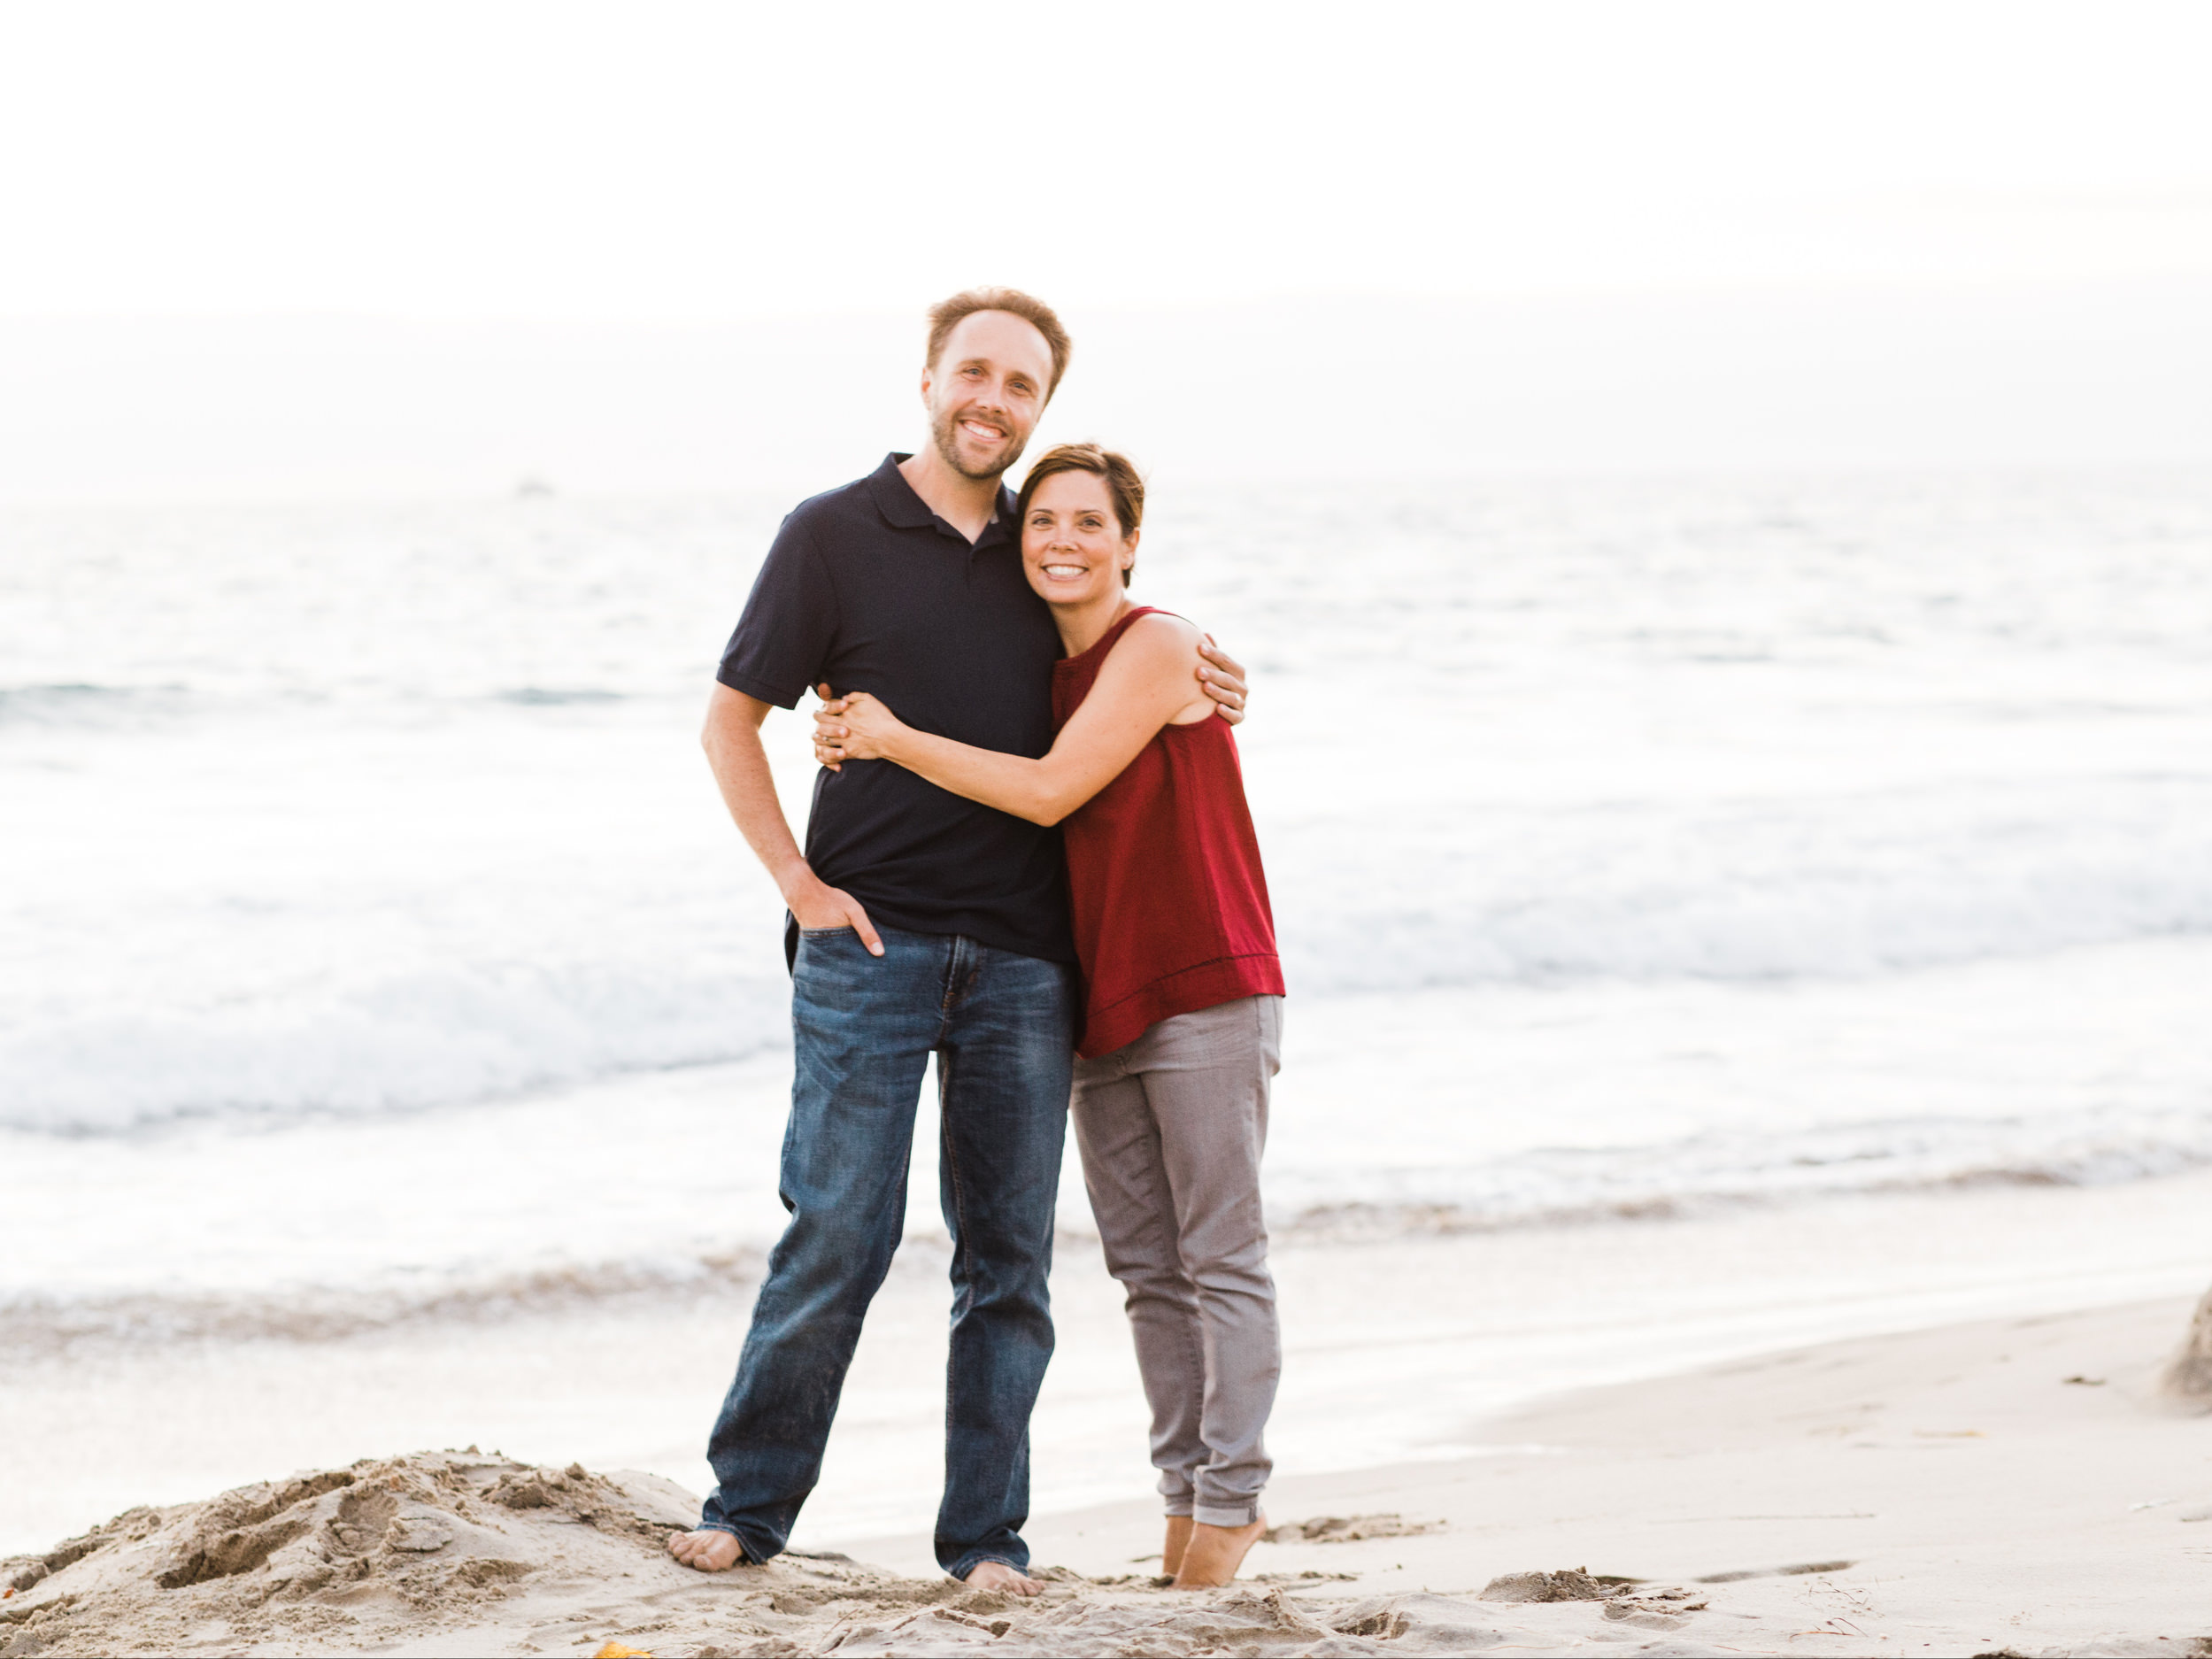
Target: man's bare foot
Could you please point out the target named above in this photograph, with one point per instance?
(1214, 1552)
(995, 1575)
(1178, 1541)
(706, 1549)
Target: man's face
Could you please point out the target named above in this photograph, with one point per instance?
(985, 392)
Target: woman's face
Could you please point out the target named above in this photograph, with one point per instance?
(1072, 545)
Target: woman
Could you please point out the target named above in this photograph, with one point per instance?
(1184, 990)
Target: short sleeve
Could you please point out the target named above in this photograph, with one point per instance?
(782, 643)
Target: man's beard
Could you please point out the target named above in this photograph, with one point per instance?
(945, 433)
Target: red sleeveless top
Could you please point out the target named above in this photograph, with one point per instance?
(1169, 903)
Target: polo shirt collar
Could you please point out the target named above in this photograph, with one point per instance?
(903, 509)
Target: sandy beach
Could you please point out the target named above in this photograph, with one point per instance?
(1808, 966)
(2004, 1486)
(1973, 1460)
(1704, 517)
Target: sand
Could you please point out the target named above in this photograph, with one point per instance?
(2004, 1486)
(1396, 1351)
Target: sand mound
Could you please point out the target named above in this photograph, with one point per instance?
(455, 1552)
(337, 1558)
(1568, 1584)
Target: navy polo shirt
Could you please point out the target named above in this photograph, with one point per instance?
(868, 590)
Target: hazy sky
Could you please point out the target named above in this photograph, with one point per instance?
(306, 248)
(641, 161)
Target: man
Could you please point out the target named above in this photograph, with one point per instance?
(920, 923)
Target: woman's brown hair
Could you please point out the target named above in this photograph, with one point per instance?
(1120, 472)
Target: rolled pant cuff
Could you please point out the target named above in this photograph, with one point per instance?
(1217, 1515)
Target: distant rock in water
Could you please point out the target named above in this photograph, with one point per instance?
(531, 489)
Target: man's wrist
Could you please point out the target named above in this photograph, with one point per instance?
(797, 880)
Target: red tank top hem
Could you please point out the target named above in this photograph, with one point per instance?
(1187, 991)
(1165, 885)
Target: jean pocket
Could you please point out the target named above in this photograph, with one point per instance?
(825, 933)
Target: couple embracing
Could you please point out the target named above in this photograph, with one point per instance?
(1028, 855)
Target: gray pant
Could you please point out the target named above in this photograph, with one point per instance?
(1171, 1128)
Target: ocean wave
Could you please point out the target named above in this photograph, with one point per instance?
(1713, 730)
(1771, 897)
(468, 1033)
(40, 1327)
(81, 705)
(1704, 1173)
(401, 1042)
(1701, 1174)
(555, 697)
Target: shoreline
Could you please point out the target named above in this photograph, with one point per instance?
(1395, 1349)
(2007, 1484)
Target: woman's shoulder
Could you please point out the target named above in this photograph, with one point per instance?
(1158, 653)
(1162, 633)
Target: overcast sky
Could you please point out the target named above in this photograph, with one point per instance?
(635, 159)
(517, 166)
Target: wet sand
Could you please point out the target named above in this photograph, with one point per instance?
(1396, 1350)
(2001, 1485)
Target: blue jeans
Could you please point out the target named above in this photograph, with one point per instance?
(1002, 1027)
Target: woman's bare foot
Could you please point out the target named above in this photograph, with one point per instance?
(1178, 1541)
(706, 1549)
(1214, 1552)
(995, 1575)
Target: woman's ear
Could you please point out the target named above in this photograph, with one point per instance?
(1128, 550)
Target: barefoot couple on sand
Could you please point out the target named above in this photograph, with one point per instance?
(1028, 855)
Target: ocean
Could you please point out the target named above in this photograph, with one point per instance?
(373, 944)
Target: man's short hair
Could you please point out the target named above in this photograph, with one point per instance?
(946, 315)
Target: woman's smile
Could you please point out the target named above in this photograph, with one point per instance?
(1076, 551)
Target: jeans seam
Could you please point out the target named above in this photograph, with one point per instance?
(954, 960)
(961, 1243)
